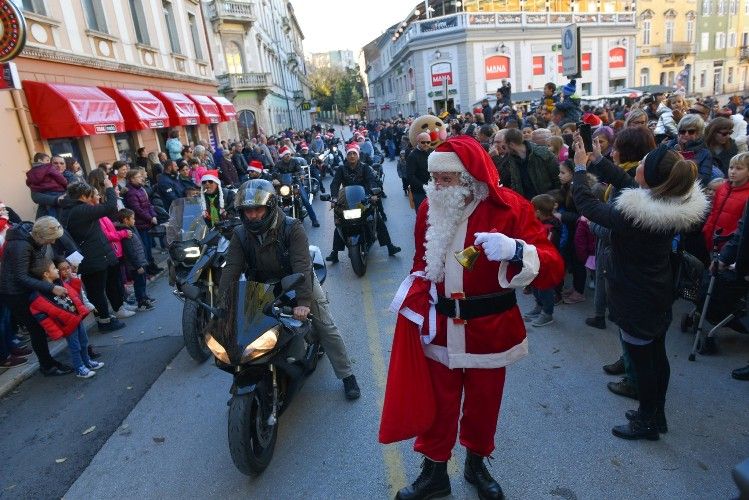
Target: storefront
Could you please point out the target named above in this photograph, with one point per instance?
(182, 111)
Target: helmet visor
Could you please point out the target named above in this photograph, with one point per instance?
(254, 197)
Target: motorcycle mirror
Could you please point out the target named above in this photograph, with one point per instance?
(291, 281)
(376, 191)
(191, 291)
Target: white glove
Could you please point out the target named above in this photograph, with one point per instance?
(497, 246)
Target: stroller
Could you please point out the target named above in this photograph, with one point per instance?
(723, 302)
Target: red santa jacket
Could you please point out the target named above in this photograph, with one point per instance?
(59, 316)
(728, 206)
(489, 341)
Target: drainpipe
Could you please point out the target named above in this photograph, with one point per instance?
(23, 121)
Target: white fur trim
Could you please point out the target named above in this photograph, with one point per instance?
(444, 161)
(663, 214)
(210, 177)
(531, 267)
(253, 168)
(410, 314)
(453, 360)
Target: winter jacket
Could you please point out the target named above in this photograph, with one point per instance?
(169, 189)
(133, 251)
(488, 114)
(240, 164)
(722, 160)
(730, 252)
(666, 124)
(639, 274)
(81, 220)
(228, 173)
(45, 178)
(114, 236)
(174, 148)
(698, 153)
(58, 316)
(136, 199)
(360, 175)
(571, 108)
(728, 205)
(21, 254)
(585, 241)
(542, 167)
(417, 171)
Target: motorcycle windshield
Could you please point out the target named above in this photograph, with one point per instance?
(286, 179)
(185, 221)
(246, 320)
(352, 197)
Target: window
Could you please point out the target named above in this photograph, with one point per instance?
(720, 41)
(125, 148)
(733, 7)
(662, 80)
(745, 38)
(703, 78)
(690, 30)
(705, 42)
(730, 75)
(171, 26)
(669, 31)
(139, 21)
(36, 6)
(644, 77)
(195, 36)
(646, 32)
(95, 15)
(732, 40)
(706, 7)
(233, 58)
(721, 7)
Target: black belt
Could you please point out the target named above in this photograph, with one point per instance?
(477, 306)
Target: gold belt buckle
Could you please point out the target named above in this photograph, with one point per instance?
(457, 296)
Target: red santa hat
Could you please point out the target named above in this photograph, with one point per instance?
(256, 166)
(284, 151)
(352, 148)
(303, 145)
(593, 120)
(211, 175)
(463, 153)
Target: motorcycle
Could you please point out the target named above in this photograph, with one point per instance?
(311, 185)
(287, 188)
(356, 217)
(333, 158)
(269, 355)
(196, 256)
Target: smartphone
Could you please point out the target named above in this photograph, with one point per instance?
(587, 135)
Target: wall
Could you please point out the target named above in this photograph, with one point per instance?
(14, 161)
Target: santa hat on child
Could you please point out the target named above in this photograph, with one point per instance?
(211, 175)
(255, 166)
(352, 147)
(284, 151)
(593, 120)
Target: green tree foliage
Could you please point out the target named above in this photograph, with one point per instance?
(339, 87)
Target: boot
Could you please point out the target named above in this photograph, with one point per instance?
(660, 419)
(333, 257)
(615, 368)
(623, 388)
(637, 429)
(476, 473)
(741, 373)
(392, 249)
(596, 322)
(433, 482)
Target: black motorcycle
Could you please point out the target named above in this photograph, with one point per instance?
(290, 197)
(333, 157)
(268, 353)
(196, 256)
(355, 216)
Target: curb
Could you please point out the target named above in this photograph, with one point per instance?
(29, 369)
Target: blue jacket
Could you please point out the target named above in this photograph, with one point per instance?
(169, 188)
(174, 148)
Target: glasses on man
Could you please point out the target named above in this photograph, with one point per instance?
(689, 131)
(425, 142)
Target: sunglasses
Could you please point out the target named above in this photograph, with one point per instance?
(690, 131)
(425, 142)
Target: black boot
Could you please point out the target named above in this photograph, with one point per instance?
(392, 249)
(660, 419)
(433, 482)
(475, 473)
(615, 368)
(333, 257)
(637, 429)
(596, 322)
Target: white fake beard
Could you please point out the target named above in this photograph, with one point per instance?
(446, 209)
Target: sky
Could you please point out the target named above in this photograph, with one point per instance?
(346, 24)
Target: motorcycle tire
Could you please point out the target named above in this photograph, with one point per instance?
(358, 260)
(194, 320)
(314, 186)
(251, 440)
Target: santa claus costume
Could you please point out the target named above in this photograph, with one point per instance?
(467, 321)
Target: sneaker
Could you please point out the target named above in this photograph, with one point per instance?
(574, 298)
(144, 306)
(20, 351)
(123, 313)
(110, 325)
(20, 344)
(532, 314)
(13, 361)
(94, 365)
(543, 319)
(351, 388)
(84, 372)
(129, 307)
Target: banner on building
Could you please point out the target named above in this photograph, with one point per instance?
(441, 24)
(440, 72)
(497, 67)
(617, 57)
(585, 61)
(539, 65)
(481, 19)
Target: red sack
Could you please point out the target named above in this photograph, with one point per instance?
(409, 408)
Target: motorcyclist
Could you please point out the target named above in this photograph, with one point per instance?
(311, 160)
(356, 173)
(290, 165)
(277, 247)
(257, 171)
(217, 202)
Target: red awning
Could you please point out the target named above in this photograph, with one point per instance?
(140, 108)
(207, 109)
(180, 108)
(225, 108)
(62, 110)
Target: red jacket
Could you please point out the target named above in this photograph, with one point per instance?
(55, 315)
(728, 206)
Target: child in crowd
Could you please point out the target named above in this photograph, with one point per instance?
(729, 200)
(62, 316)
(68, 276)
(135, 260)
(46, 178)
(542, 314)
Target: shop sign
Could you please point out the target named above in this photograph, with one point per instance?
(214, 119)
(481, 19)
(441, 24)
(306, 106)
(107, 128)
(585, 61)
(12, 31)
(539, 65)
(192, 121)
(497, 67)
(9, 77)
(617, 57)
(156, 124)
(440, 73)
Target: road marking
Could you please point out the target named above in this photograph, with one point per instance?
(391, 454)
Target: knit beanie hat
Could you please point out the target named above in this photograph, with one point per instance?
(569, 89)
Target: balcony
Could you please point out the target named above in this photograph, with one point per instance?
(675, 49)
(244, 81)
(744, 52)
(231, 11)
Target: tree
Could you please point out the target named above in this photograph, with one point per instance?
(337, 86)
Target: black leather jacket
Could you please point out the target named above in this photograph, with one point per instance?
(359, 175)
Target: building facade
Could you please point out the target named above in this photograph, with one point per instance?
(333, 59)
(258, 58)
(103, 78)
(466, 53)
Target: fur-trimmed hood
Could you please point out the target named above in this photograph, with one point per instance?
(663, 214)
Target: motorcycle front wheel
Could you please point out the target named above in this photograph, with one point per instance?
(194, 321)
(251, 440)
(358, 259)
(314, 186)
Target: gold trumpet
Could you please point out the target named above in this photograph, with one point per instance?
(468, 256)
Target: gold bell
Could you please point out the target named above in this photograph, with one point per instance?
(468, 256)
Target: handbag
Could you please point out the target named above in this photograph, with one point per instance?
(688, 271)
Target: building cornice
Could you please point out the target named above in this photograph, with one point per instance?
(43, 54)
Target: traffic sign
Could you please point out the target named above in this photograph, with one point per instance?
(571, 51)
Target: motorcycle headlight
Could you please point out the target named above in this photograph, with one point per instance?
(261, 345)
(217, 349)
(285, 190)
(335, 149)
(321, 157)
(192, 252)
(354, 213)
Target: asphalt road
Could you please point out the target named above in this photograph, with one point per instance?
(553, 439)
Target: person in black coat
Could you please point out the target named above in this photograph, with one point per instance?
(643, 223)
(168, 185)
(417, 172)
(99, 269)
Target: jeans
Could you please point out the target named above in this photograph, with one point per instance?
(653, 371)
(390, 146)
(78, 345)
(19, 306)
(147, 240)
(545, 299)
(139, 286)
(307, 204)
(326, 331)
(6, 332)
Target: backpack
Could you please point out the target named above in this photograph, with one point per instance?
(282, 248)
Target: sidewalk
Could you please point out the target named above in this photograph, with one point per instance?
(12, 377)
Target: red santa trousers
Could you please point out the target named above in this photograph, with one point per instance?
(483, 390)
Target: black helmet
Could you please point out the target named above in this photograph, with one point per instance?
(253, 194)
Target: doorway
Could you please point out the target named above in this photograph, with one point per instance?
(68, 148)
